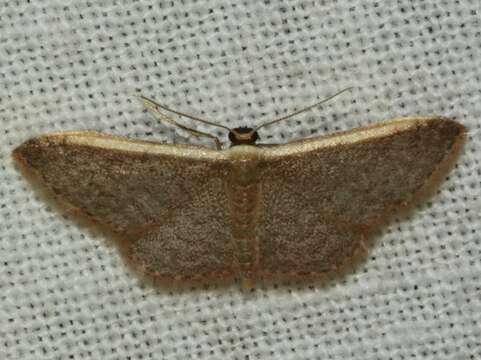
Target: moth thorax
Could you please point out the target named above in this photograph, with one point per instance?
(243, 136)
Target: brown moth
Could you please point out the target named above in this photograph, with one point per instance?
(190, 213)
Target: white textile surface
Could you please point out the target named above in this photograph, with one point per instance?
(65, 293)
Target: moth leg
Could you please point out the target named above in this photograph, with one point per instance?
(153, 107)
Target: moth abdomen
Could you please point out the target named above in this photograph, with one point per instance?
(243, 189)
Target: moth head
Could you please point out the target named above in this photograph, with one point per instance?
(243, 136)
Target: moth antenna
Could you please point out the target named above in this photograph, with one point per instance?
(152, 106)
(149, 103)
(303, 110)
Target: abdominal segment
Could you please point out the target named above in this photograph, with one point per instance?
(243, 193)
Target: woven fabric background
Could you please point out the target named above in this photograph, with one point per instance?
(65, 293)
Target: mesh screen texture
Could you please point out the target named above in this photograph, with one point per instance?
(65, 293)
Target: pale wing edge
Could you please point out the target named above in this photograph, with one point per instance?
(124, 144)
(357, 135)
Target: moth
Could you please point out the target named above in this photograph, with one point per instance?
(188, 213)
